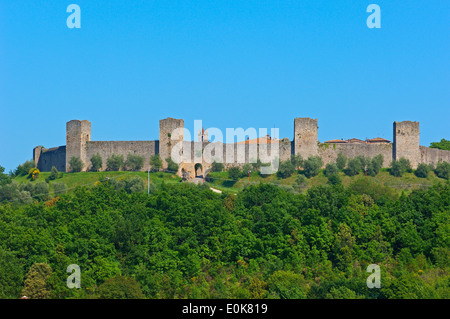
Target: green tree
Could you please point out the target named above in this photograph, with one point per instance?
(24, 168)
(286, 169)
(442, 145)
(76, 165)
(312, 166)
(4, 179)
(297, 161)
(155, 162)
(400, 167)
(234, 173)
(341, 161)
(422, 170)
(217, 167)
(443, 170)
(120, 287)
(59, 188)
(36, 286)
(375, 164)
(134, 162)
(114, 162)
(11, 275)
(96, 162)
(171, 165)
(331, 169)
(287, 285)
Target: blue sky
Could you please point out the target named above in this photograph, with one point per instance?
(230, 63)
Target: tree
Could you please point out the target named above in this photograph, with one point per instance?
(33, 174)
(11, 275)
(36, 286)
(59, 188)
(155, 162)
(53, 175)
(286, 169)
(120, 287)
(217, 167)
(114, 162)
(297, 161)
(334, 179)
(312, 166)
(442, 145)
(76, 164)
(331, 169)
(341, 161)
(96, 162)
(353, 167)
(400, 167)
(375, 164)
(171, 165)
(134, 162)
(24, 168)
(422, 170)
(443, 170)
(4, 179)
(234, 173)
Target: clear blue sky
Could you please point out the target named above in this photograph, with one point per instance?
(230, 63)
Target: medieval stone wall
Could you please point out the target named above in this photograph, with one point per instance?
(433, 155)
(406, 142)
(146, 149)
(329, 152)
(305, 137)
(77, 134)
(167, 138)
(45, 159)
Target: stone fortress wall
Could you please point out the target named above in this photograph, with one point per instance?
(406, 137)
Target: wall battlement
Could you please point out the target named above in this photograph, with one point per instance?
(406, 137)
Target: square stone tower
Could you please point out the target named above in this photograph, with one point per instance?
(78, 133)
(406, 142)
(305, 137)
(167, 138)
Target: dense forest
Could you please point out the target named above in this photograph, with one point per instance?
(184, 241)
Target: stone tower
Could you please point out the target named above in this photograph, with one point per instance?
(406, 142)
(78, 133)
(202, 135)
(305, 137)
(166, 140)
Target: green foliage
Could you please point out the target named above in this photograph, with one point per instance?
(353, 167)
(53, 175)
(76, 165)
(341, 161)
(375, 164)
(134, 162)
(217, 167)
(297, 161)
(184, 241)
(286, 169)
(36, 286)
(4, 178)
(234, 173)
(334, 179)
(59, 188)
(96, 162)
(156, 163)
(400, 167)
(171, 165)
(114, 162)
(442, 145)
(443, 170)
(257, 165)
(312, 166)
(423, 170)
(300, 181)
(120, 287)
(331, 169)
(24, 168)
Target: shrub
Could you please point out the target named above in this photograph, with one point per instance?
(41, 190)
(297, 161)
(312, 166)
(257, 166)
(422, 170)
(217, 167)
(331, 169)
(341, 161)
(286, 169)
(300, 181)
(53, 175)
(155, 162)
(134, 162)
(234, 173)
(114, 162)
(246, 168)
(97, 162)
(334, 179)
(76, 164)
(375, 164)
(171, 165)
(34, 174)
(59, 188)
(120, 287)
(4, 179)
(443, 170)
(134, 185)
(399, 167)
(353, 167)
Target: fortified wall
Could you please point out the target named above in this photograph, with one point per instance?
(406, 138)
